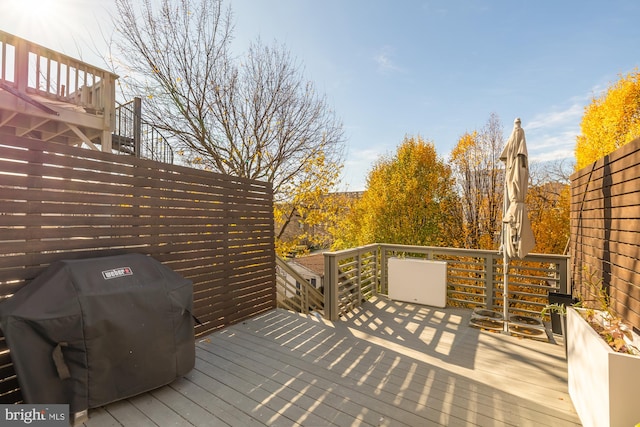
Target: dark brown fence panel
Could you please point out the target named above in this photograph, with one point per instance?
(61, 202)
(605, 229)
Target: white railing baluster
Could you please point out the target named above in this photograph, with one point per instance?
(86, 89)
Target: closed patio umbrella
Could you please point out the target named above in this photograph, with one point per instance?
(517, 237)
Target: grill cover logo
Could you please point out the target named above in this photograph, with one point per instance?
(114, 273)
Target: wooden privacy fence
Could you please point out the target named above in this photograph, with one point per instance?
(62, 202)
(605, 229)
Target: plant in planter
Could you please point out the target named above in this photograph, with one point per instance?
(603, 368)
(613, 330)
(561, 309)
(606, 322)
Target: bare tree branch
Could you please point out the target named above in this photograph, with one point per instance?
(256, 118)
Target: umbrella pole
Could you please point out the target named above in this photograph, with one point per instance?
(505, 292)
(505, 262)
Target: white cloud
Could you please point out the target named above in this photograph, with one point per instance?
(366, 155)
(358, 165)
(384, 60)
(547, 156)
(552, 139)
(551, 135)
(556, 144)
(567, 117)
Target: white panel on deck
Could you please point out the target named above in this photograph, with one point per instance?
(418, 281)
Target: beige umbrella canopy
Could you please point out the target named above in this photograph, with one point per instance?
(517, 237)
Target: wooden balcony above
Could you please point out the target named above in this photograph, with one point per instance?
(50, 96)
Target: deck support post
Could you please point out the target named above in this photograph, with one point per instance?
(489, 281)
(330, 287)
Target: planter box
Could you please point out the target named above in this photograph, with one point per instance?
(603, 384)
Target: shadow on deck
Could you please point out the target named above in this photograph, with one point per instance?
(388, 364)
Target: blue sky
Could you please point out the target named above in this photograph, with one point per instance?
(433, 68)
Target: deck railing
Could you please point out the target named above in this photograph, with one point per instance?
(294, 292)
(34, 69)
(474, 277)
(350, 277)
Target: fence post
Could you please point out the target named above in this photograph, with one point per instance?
(359, 258)
(21, 66)
(137, 125)
(563, 270)
(330, 287)
(304, 299)
(489, 281)
(376, 278)
(109, 106)
(384, 286)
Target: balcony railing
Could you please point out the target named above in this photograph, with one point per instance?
(33, 69)
(474, 278)
(134, 136)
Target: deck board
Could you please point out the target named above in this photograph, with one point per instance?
(387, 364)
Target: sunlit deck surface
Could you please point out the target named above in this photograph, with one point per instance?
(388, 364)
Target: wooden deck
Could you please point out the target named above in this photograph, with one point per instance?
(389, 364)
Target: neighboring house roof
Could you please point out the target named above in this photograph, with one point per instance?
(313, 263)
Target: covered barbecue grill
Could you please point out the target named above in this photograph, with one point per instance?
(93, 331)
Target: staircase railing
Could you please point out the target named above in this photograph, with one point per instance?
(136, 137)
(294, 292)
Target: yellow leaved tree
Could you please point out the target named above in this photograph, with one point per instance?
(410, 199)
(305, 209)
(479, 176)
(610, 121)
(548, 205)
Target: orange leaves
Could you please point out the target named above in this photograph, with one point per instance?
(549, 206)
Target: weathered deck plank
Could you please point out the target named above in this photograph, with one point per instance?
(388, 364)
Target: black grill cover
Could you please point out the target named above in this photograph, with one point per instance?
(90, 332)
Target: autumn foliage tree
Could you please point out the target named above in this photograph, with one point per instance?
(303, 219)
(478, 172)
(548, 204)
(610, 121)
(409, 199)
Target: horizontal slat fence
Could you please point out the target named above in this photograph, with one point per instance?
(474, 277)
(351, 276)
(61, 202)
(605, 229)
